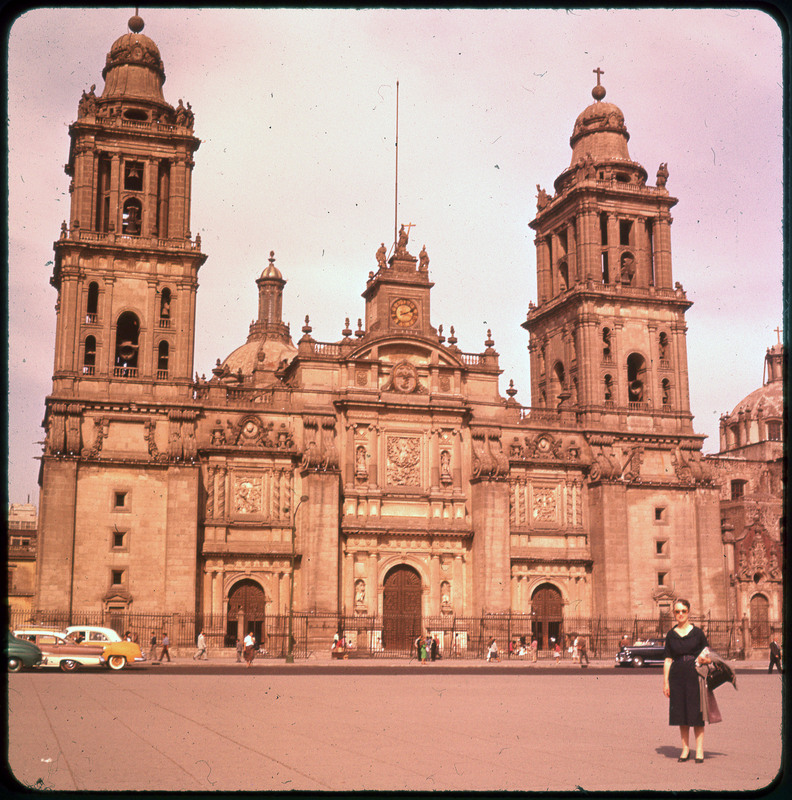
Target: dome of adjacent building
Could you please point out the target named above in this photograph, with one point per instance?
(256, 354)
(134, 67)
(769, 400)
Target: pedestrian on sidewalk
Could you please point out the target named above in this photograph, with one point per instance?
(201, 642)
(239, 648)
(534, 649)
(582, 651)
(165, 652)
(775, 656)
(557, 652)
(153, 647)
(492, 651)
(250, 648)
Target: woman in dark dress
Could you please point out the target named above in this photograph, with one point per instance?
(683, 650)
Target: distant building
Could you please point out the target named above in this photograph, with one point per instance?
(22, 547)
(428, 493)
(750, 472)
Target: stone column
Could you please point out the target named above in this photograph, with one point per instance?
(491, 553)
(544, 288)
(662, 248)
(108, 327)
(116, 212)
(572, 257)
(318, 535)
(643, 271)
(614, 267)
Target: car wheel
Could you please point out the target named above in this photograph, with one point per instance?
(14, 664)
(67, 665)
(116, 662)
(638, 661)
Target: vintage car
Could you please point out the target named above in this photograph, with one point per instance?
(21, 653)
(57, 651)
(117, 653)
(649, 653)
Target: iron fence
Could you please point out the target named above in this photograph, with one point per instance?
(395, 636)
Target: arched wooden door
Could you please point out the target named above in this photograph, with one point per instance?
(246, 612)
(548, 616)
(401, 608)
(760, 621)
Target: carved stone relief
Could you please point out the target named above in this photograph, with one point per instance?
(403, 461)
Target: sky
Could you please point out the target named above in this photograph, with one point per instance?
(296, 112)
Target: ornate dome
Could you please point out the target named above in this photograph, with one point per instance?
(769, 399)
(600, 131)
(134, 67)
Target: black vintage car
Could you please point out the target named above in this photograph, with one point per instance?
(647, 653)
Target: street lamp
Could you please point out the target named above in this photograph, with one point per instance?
(290, 652)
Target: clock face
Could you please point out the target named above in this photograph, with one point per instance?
(404, 313)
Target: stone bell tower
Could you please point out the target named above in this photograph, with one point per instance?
(125, 264)
(119, 483)
(608, 330)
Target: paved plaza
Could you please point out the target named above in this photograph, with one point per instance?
(348, 727)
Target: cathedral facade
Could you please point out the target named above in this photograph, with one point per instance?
(386, 468)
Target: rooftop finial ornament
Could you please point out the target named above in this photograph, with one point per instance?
(136, 23)
(598, 92)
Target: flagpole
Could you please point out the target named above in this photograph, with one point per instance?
(396, 198)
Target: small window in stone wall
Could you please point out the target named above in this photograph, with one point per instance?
(120, 499)
(661, 547)
(774, 431)
(660, 514)
(117, 577)
(119, 540)
(737, 489)
(662, 577)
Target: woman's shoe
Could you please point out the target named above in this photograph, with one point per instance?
(684, 758)
(699, 760)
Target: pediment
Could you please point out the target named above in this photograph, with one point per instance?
(394, 351)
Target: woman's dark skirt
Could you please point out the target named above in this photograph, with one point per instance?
(684, 707)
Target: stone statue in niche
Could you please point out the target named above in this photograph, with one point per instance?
(361, 463)
(218, 434)
(445, 467)
(627, 268)
(445, 598)
(360, 596)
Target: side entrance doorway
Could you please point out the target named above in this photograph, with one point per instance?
(401, 608)
(547, 607)
(246, 612)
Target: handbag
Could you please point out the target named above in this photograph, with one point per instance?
(719, 673)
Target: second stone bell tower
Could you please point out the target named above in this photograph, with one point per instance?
(608, 330)
(125, 264)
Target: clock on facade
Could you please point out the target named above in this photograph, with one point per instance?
(404, 312)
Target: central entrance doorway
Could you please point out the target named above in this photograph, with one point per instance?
(246, 612)
(401, 608)
(547, 608)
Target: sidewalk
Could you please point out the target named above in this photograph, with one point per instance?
(226, 658)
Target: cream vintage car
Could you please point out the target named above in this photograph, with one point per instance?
(117, 653)
(58, 651)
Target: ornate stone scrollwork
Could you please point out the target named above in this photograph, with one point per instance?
(489, 460)
(404, 379)
(319, 448)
